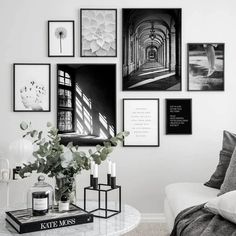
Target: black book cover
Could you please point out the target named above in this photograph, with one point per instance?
(23, 222)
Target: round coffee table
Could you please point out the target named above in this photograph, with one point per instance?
(119, 224)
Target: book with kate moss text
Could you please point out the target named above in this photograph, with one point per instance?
(23, 222)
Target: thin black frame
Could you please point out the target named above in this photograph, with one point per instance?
(73, 36)
(189, 90)
(191, 115)
(96, 9)
(57, 102)
(158, 121)
(181, 73)
(49, 85)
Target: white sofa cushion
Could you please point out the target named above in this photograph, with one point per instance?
(224, 205)
(183, 195)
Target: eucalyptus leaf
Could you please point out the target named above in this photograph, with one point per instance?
(24, 125)
(70, 145)
(98, 147)
(49, 124)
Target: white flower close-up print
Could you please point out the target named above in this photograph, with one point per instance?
(32, 95)
(98, 32)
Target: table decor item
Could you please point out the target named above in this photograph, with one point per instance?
(64, 162)
(5, 175)
(64, 204)
(103, 212)
(40, 198)
(40, 203)
(113, 176)
(23, 222)
(4, 170)
(109, 163)
(15, 173)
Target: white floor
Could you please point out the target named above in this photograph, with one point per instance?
(149, 229)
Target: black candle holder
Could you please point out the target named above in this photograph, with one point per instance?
(106, 210)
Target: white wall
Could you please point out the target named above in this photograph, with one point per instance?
(142, 172)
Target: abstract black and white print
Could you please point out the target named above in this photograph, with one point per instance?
(206, 67)
(31, 87)
(86, 103)
(60, 38)
(98, 32)
(151, 49)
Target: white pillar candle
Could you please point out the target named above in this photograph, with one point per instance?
(92, 168)
(109, 166)
(95, 173)
(113, 170)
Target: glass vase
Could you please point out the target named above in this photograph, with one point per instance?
(65, 186)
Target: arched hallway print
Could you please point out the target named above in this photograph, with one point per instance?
(152, 49)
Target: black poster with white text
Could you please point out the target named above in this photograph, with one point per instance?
(178, 116)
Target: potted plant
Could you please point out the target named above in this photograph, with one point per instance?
(63, 162)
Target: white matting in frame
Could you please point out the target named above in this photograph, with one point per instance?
(141, 119)
(32, 87)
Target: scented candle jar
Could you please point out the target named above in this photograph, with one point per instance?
(40, 198)
(40, 203)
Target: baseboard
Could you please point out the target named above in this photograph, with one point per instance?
(153, 218)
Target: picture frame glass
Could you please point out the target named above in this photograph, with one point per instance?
(179, 116)
(86, 103)
(206, 67)
(141, 119)
(61, 38)
(152, 49)
(98, 32)
(31, 87)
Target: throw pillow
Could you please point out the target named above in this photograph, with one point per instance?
(229, 183)
(218, 176)
(224, 205)
(229, 143)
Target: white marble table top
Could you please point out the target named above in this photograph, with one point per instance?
(119, 224)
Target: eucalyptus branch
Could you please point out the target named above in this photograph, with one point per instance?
(49, 152)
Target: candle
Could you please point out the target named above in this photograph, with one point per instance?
(113, 170)
(5, 174)
(92, 168)
(109, 166)
(95, 173)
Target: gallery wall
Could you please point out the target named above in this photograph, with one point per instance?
(142, 172)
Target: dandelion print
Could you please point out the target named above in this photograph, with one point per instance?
(60, 33)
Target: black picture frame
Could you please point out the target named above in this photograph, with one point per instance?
(154, 143)
(179, 116)
(165, 73)
(114, 34)
(199, 77)
(31, 101)
(71, 41)
(109, 103)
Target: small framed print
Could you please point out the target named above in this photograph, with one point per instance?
(61, 39)
(206, 67)
(31, 87)
(141, 119)
(178, 116)
(98, 32)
